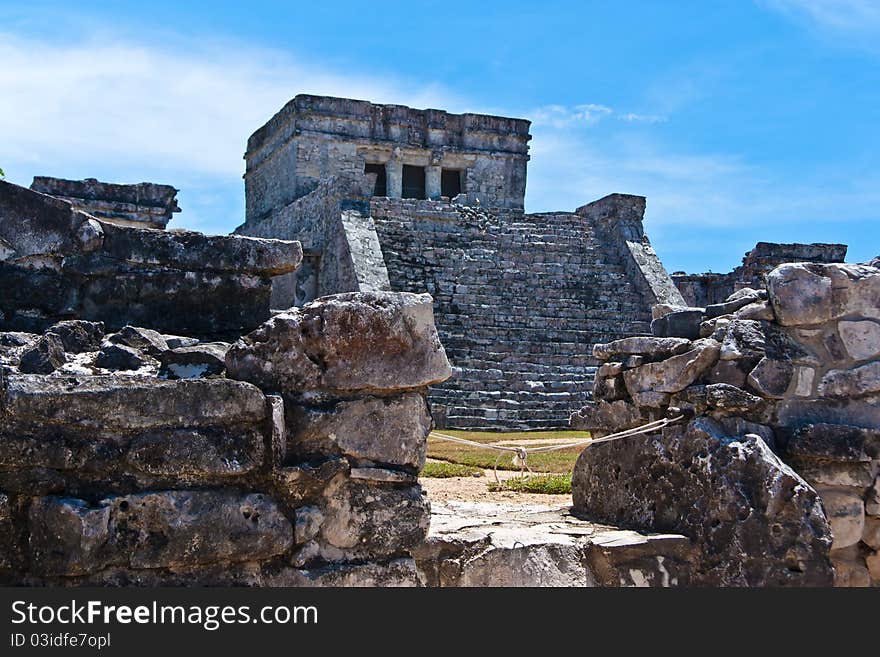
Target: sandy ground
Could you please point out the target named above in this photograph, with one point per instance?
(474, 489)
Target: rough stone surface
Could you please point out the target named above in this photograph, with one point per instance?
(488, 544)
(154, 530)
(61, 263)
(675, 373)
(756, 521)
(861, 338)
(194, 362)
(119, 357)
(78, 335)
(360, 341)
(44, 357)
(379, 429)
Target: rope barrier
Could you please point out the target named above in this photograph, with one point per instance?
(521, 454)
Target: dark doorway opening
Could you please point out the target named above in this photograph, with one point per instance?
(381, 186)
(413, 181)
(450, 183)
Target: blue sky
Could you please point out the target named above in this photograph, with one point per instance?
(739, 120)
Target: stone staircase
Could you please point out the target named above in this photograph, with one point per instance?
(519, 302)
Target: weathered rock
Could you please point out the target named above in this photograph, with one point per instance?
(143, 339)
(395, 573)
(177, 341)
(683, 323)
(675, 373)
(155, 530)
(755, 520)
(872, 561)
(355, 341)
(114, 404)
(78, 335)
(17, 339)
(119, 357)
(861, 338)
(730, 306)
(771, 377)
(363, 521)
(743, 339)
(194, 362)
(728, 371)
(834, 442)
(846, 514)
(759, 310)
(191, 454)
(304, 484)
(725, 397)
(190, 250)
(800, 295)
(811, 293)
(871, 535)
(850, 572)
(44, 357)
(490, 544)
(642, 345)
(872, 499)
(383, 430)
(855, 382)
(8, 557)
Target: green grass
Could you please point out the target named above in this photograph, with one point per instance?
(444, 469)
(559, 461)
(550, 484)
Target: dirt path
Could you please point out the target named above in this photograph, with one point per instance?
(474, 489)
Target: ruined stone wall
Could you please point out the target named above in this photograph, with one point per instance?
(144, 205)
(288, 459)
(313, 138)
(710, 288)
(519, 300)
(790, 373)
(59, 263)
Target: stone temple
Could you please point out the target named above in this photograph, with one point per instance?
(386, 197)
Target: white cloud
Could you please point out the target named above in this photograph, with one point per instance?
(128, 112)
(846, 20)
(632, 117)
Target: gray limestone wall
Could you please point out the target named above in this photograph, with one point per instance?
(519, 302)
(710, 288)
(144, 205)
(313, 138)
(59, 263)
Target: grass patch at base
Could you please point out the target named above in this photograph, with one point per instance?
(559, 461)
(549, 484)
(443, 470)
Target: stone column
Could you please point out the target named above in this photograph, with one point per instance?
(432, 182)
(394, 178)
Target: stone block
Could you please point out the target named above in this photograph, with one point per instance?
(117, 357)
(155, 530)
(855, 382)
(365, 521)
(871, 535)
(801, 295)
(78, 335)
(753, 519)
(846, 514)
(675, 373)
(834, 442)
(860, 338)
(116, 404)
(44, 357)
(356, 341)
(652, 347)
(684, 323)
(194, 362)
(771, 377)
(849, 573)
(389, 430)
